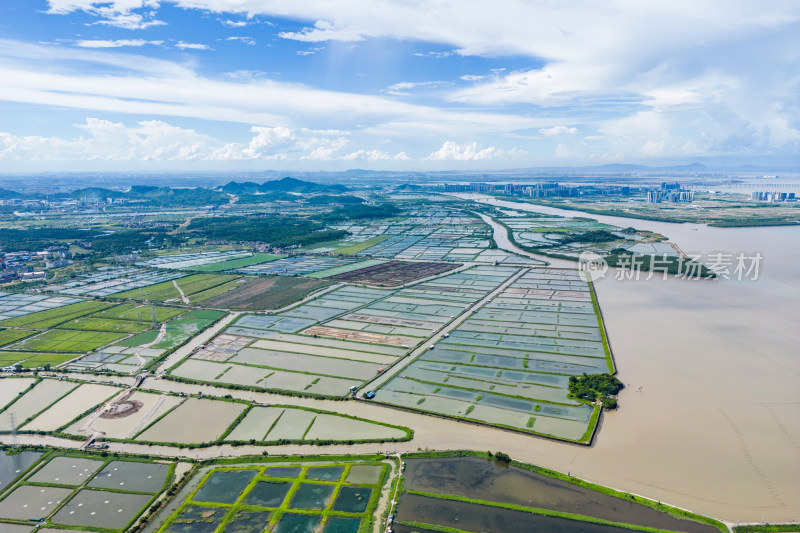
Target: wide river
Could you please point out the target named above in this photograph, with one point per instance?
(710, 417)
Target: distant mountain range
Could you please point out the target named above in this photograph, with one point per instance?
(282, 185)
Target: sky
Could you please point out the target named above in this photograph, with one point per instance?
(396, 84)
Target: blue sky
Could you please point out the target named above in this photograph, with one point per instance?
(395, 84)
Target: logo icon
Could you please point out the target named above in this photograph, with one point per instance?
(593, 264)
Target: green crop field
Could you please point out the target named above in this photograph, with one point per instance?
(67, 341)
(52, 359)
(361, 246)
(182, 329)
(9, 358)
(7, 336)
(53, 317)
(205, 315)
(140, 312)
(190, 285)
(142, 338)
(214, 291)
(94, 323)
(255, 259)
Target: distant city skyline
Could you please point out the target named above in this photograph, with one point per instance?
(390, 85)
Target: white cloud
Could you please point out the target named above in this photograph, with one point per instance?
(115, 43)
(129, 21)
(562, 152)
(375, 155)
(151, 140)
(310, 51)
(472, 77)
(472, 151)
(558, 130)
(720, 75)
(129, 83)
(155, 140)
(234, 23)
(191, 46)
(322, 31)
(242, 39)
(286, 143)
(402, 88)
(118, 13)
(437, 55)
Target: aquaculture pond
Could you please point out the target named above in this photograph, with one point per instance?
(352, 499)
(297, 523)
(224, 486)
(268, 493)
(194, 519)
(325, 473)
(487, 480)
(313, 497)
(12, 465)
(247, 521)
(338, 524)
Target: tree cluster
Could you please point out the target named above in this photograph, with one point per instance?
(596, 386)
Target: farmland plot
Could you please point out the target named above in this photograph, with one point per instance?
(508, 363)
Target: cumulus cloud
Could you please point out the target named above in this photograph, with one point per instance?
(558, 130)
(150, 140)
(234, 23)
(155, 140)
(375, 155)
(472, 151)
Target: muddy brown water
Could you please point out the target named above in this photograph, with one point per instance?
(482, 479)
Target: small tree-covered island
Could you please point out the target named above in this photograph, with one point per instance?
(595, 387)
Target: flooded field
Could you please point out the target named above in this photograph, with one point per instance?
(32, 402)
(66, 471)
(482, 479)
(13, 465)
(136, 477)
(180, 424)
(485, 519)
(224, 486)
(269, 424)
(104, 509)
(134, 413)
(98, 493)
(10, 389)
(507, 363)
(72, 405)
(341, 339)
